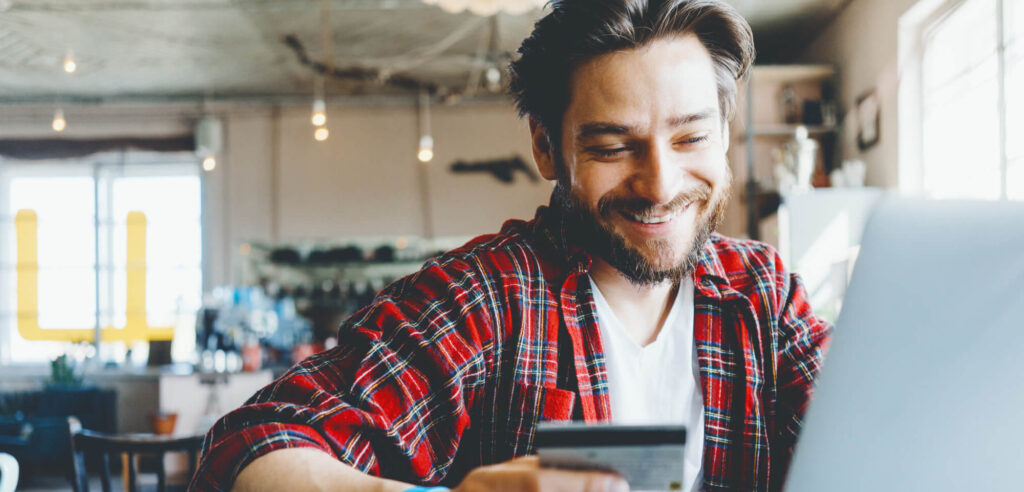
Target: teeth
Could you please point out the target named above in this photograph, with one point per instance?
(647, 219)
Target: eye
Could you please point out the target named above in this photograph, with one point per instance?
(704, 137)
(609, 152)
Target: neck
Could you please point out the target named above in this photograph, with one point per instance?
(641, 309)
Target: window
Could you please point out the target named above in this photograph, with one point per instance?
(972, 100)
(81, 211)
(1014, 54)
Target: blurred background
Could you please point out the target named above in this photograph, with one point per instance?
(195, 193)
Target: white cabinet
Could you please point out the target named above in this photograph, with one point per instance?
(190, 396)
(141, 393)
(819, 238)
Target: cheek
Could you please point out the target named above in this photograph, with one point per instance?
(592, 181)
(713, 169)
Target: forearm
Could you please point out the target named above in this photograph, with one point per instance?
(307, 469)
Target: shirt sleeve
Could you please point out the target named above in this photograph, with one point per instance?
(802, 342)
(391, 400)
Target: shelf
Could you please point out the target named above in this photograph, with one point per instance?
(762, 85)
(257, 270)
(355, 265)
(355, 270)
(783, 130)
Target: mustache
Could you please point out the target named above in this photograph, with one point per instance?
(642, 206)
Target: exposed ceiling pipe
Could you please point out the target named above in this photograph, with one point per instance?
(170, 5)
(266, 100)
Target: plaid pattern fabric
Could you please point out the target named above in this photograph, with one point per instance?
(453, 367)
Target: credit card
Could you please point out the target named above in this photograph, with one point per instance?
(648, 457)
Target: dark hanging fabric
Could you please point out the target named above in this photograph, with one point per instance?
(60, 148)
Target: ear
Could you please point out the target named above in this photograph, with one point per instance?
(543, 154)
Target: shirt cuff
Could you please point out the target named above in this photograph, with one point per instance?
(227, 457)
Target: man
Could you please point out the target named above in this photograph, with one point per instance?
(616, 303)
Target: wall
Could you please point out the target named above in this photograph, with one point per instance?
(274, 182)
(863, 43)
(277, 184)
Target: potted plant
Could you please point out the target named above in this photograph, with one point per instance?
(63, 374)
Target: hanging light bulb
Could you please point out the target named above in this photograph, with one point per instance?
(321, 133)
(209, 138)
(59, 123)
(69, 63)
(319, 116)
(493, 77)
(426, 152)
(426, 148)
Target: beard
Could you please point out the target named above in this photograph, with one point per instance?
(590, 229)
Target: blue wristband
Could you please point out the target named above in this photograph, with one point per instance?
(427, 489)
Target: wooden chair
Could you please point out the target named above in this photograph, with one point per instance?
(128, 446)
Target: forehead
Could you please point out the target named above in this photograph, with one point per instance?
(662, 79)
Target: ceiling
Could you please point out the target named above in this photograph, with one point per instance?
(187, 50)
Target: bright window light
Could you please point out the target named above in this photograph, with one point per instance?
(66, 252)
(63, 197)
(961, 106)
(964, 67)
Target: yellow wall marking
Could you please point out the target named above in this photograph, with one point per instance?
(136, 328)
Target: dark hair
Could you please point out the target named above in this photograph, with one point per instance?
(576, 31)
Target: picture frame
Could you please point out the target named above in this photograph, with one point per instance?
(868, 119)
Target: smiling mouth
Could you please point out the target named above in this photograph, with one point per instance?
(655, 219)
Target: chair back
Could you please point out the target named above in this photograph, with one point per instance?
(103, 444)
(8, 473)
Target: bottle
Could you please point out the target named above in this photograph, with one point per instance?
(790, 104)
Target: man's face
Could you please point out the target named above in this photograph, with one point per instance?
(642, 172)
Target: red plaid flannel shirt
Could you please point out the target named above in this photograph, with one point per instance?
(453, 367)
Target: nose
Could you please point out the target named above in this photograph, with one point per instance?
(656, 176)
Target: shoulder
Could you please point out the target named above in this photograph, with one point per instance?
(514, 253)
(515, 250)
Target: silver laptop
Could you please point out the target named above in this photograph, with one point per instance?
(923, 387)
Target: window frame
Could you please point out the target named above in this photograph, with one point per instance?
(917, 26)
(103, 170)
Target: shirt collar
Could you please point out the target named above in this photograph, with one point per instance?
(709, 277)
(551, 225)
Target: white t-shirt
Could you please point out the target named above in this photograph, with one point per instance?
(659, 383)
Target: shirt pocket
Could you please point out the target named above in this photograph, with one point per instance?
(528, 406)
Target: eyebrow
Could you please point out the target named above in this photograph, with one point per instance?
(604, 128)
(707, 114)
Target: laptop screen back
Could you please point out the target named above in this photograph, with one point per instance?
(923, 385)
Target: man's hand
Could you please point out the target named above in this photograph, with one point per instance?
(526, 475)
(314, 470)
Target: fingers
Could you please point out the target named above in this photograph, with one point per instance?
(554, 479)
(558, 479)
(530, 461)
(525, 474)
